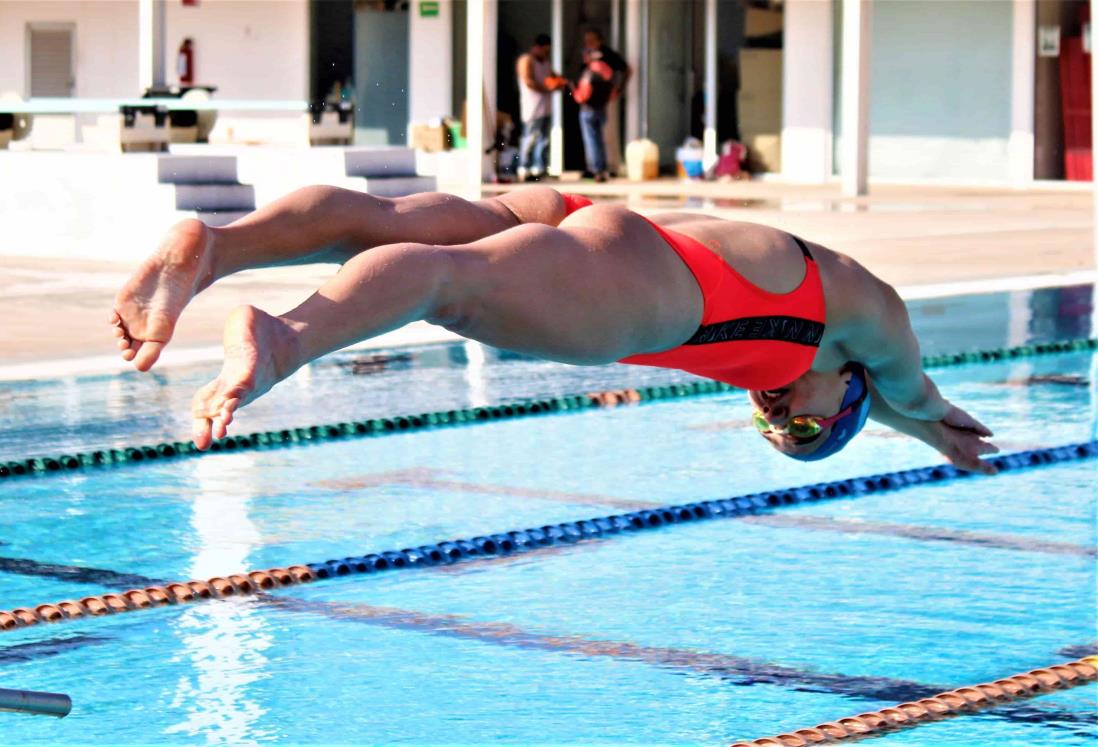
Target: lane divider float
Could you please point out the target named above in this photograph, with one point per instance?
(524, 540)
(963, 700)
(258, 440)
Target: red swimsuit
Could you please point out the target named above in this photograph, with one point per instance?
(748, 337)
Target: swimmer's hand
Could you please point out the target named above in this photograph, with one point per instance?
(963, 445)
(957, 418)
(958, 436)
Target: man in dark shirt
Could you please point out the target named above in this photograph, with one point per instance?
(606, 74)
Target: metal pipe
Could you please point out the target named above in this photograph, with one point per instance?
(35, 703)
(556, 131)
(710, 132)
(642, 73)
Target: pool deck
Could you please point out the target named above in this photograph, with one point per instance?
(926, 240)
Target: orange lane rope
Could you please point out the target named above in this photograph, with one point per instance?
(943, 705)
(217, 587)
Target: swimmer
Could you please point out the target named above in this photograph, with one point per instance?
(818, 341)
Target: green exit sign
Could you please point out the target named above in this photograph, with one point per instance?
(428, 9)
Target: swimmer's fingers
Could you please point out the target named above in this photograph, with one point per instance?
(964, 448)
(958, 418)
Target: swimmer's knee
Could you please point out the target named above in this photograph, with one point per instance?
(429, 271)
(346, 201)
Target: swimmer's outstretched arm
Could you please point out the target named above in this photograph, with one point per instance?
(878, 335)
(313, 224)
(963, 447)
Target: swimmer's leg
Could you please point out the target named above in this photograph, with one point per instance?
(581, 295)
(313, 224)
(375, 292)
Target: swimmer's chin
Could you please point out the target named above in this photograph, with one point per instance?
(796, 447)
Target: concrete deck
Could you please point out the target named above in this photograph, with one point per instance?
(55, 310)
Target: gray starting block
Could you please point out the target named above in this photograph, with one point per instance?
(35, 703)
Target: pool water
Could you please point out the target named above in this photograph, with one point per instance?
(694, 634)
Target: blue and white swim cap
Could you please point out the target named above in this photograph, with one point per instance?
(842, 431)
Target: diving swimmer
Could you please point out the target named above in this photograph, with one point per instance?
(818, 341)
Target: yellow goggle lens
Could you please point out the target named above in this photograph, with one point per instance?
(801, 426)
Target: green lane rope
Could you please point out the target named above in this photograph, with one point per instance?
(462, 416)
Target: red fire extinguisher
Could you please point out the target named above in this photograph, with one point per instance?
(185, 62)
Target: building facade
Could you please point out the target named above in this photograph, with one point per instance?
(956, 90)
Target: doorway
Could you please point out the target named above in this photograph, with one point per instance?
(50, 69)
(1061, 105)
(381, 72)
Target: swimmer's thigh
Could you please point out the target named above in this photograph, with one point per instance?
(591, 291)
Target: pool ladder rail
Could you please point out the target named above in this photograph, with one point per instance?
(35, 703)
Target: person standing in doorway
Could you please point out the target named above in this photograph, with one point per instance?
(537, 81)
(605, 75)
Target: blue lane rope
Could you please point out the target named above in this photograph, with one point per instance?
(573, 531)
(523, 540)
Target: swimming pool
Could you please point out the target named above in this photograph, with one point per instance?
(698, 633)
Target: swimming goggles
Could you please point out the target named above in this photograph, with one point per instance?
(804, 426)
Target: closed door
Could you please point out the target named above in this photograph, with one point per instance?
(381, 74)
(51, 61)
(669, 54)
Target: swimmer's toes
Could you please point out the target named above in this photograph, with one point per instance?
(220, 428)
(200, 433)
(147, 354)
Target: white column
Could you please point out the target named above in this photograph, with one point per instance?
(430, 65)
(491, 53)
(150, 43)
(613, 108)
(1023, 73)
(807, 67)
(633, 44)
(474, 91)
(710, 138)
(556, 130)
(857, 19)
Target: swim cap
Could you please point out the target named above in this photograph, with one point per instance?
(857, 394)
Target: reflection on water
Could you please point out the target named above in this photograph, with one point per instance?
(373, 363)
(224, 641)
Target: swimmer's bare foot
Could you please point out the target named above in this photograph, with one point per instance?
(147, 307)
(260, 351)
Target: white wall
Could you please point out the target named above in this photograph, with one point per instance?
(806, 91)
(941, 90)
(249, 49)
(429, 64)
(106, 44)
